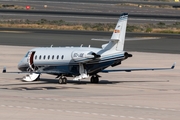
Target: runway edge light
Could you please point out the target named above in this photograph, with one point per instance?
(27, 7)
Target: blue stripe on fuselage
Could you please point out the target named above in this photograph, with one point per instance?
(92, 67)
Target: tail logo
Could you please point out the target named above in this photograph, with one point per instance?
(116, 31)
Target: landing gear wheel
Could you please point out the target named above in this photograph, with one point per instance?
(62, 80)
(94, 79)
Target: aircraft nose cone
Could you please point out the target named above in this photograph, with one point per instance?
(22, 63)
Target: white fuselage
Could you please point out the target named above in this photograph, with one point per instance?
(64, 58)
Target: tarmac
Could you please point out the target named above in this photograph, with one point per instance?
(142, 95)
(93, 6)
(158, 43)
(146, 95)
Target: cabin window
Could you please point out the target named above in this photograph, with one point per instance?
(52, 57)
(48, 57)
(36, 57)
(40, 57)
(44, 57)
(57, 57)
(62, 57)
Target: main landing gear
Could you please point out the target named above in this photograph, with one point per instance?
(62, 80)
(95, 79)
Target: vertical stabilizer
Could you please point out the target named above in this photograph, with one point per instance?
(120, 31)
(117, 39)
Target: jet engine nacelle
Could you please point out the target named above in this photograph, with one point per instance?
(126, 55)
(84, 55)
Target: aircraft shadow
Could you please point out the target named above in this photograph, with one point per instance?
(55, 81)
(108, 82)
(47, 84)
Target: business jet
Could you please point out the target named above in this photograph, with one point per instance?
(79, 62)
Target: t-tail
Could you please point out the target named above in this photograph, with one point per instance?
(120, 32)
(118, 37)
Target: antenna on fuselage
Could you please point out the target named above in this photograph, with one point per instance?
(51, 45)
(89, 46)
(81, 45)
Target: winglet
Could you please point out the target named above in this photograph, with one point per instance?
(4, 70)
(173, 66)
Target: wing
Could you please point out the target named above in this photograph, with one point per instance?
(137, 69)
(37, 72)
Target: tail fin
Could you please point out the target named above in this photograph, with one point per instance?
(117, 39)
(120, 31)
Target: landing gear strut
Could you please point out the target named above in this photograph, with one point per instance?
(95, 79)
(62, 80)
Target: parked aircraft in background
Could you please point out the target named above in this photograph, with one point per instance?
(79, 62)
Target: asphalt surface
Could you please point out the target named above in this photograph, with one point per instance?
(148, 95)
(97, 11)
(90, 14)
(161, 43)
(153, 2)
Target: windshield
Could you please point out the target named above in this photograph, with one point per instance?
(27, 54)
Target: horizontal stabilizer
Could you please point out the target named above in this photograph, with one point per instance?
(105, 39)
(128, 39)
(142, 38)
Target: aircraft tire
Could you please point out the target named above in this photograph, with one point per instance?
(64, 80)
(92, 79)
(95, 79)
(60, 80)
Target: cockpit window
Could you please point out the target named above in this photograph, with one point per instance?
(27, 54)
